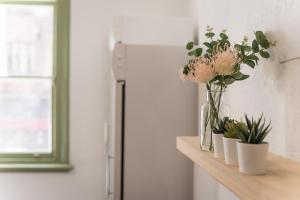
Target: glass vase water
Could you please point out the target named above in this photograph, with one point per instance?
(213, 109)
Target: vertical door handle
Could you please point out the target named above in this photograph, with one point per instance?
(109, 157)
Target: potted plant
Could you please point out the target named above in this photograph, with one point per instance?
(218, 133)
(252, 150)
(217, 63)
(230, 140)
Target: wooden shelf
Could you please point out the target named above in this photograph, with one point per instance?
(281, 182)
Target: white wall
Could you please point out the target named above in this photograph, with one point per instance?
(273, 88)
(91, 20)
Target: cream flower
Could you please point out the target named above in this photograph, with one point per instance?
(199, 70)
(203, 72)
(224, 62)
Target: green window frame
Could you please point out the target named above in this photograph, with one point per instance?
(58, 160)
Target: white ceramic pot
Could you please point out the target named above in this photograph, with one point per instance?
(218, 145)
(253, 158)
(230, 151)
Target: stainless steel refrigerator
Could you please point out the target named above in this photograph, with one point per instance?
(151, 107)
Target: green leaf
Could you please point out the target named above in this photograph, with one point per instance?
(240, 76)
(208, 45)
(262, 39)
(259, 36)
(255, 46)
(259, 120)
(237, 46)
(264, 54)
(242, 132)
(252, 57)
(246, 48)
(189, 45)
(264, 43)
(229, 81)
(214, 44)
(264, 133)
(237, 67)
(251, 138)
(209, 50)
(192, 53)
(199, 52)
(210, 34)
(242, 136)
(249, 63)
(248, 122)
(228, 43)
(217, 78)
(241, 49)
(223, 36)
(206, 56)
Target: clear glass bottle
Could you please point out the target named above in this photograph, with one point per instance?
(209, 112)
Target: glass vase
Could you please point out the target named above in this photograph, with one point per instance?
(213, 109)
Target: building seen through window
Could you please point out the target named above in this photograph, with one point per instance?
(26, 74)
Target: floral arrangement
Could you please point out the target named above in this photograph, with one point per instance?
(220, 63)
(217, 63)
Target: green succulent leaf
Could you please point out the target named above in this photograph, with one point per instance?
(242, 137)
(220, 127)
(248, 122)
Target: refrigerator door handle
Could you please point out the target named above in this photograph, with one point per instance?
(109, 160)
(109, 191)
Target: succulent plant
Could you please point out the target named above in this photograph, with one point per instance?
(253, 132)
(220, 127)
(232, 129)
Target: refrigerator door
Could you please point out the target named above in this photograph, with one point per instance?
(158, 107)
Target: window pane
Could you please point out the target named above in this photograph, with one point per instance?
(26, 40)
(25, 116)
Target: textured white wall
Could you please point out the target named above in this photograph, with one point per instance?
(273, 88)
(91, 20)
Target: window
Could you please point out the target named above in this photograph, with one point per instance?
(34, 49)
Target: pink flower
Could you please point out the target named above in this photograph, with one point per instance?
(203, 72)
(224, 62)
(199, 70)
